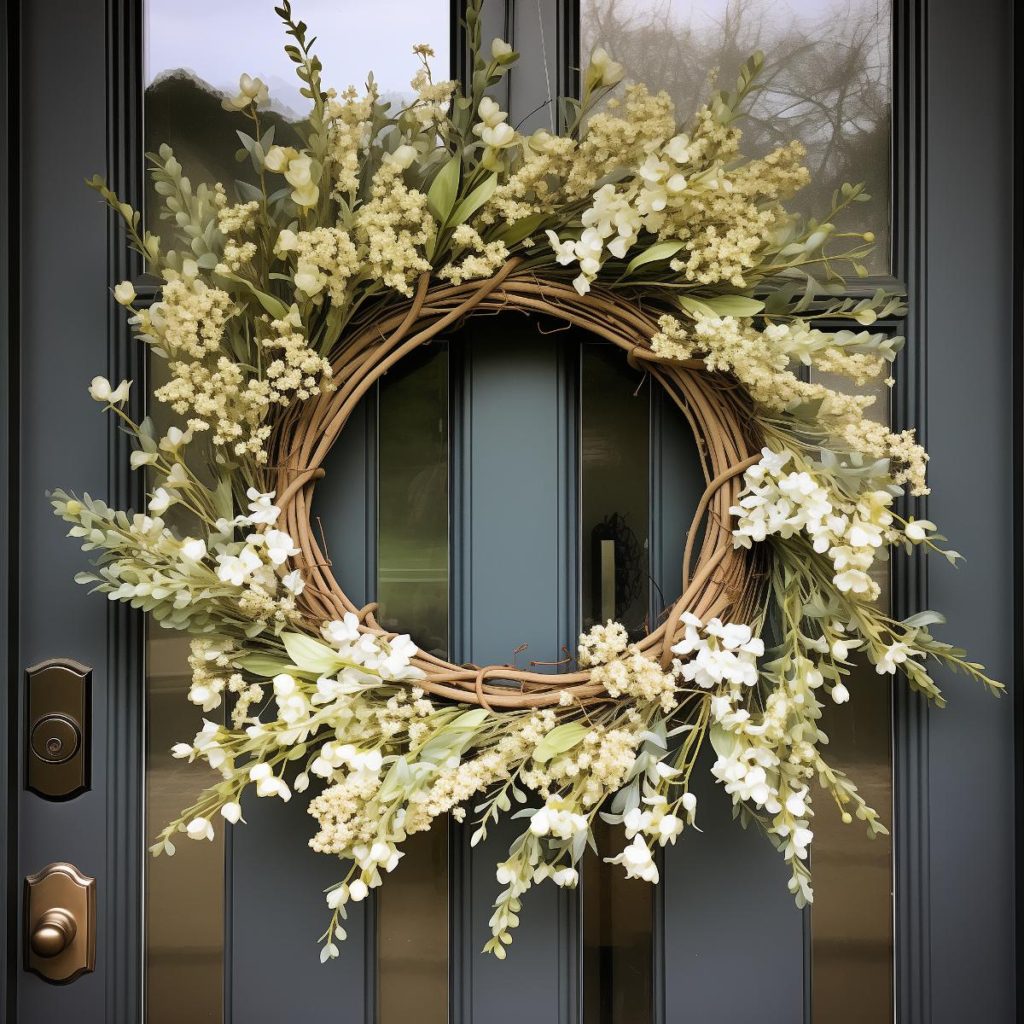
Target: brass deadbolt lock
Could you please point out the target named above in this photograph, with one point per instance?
(60, 923)
(58, 736)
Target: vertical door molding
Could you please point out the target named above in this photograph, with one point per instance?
(967, 287)
(9, 446)
(912, 984)
(123, 766)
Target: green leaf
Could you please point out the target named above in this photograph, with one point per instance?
(263, 665)
(734, 305)
(311, 655)
(515, 233)
(696, 307)
(222, 500)
(468, 719)
(559, 740)
(925, 618)
(474, 201)
(273, 305)
(444, 189)
(723, 743)
(654, 254)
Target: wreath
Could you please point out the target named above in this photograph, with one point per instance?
(279, 308)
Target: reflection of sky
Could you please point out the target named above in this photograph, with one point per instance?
(219, 39)
(805, 13)
(759, 20)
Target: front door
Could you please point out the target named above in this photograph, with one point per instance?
(495, 536)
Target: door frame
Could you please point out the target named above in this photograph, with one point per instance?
(918, 175)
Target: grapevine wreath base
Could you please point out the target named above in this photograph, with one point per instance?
(722, 582)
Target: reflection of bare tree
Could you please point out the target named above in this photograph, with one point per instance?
(826, 80)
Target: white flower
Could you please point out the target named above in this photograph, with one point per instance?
(395, 665)
(566, 878)
(293, 582)
(498, 137)
(194, 549)
(236, 569)
(160, 502)
(853, 581)
(840, 694)
(308, 279)
(232, 811)
(565, 252)
(340, 632)
(603, 71)
(101, 391)
(917, 530)
(177, 478)
(124, 293)
(894, 656)
(358, 891)
(678, 148)
(403, 157)
(501, 51)
(200, 828)
(140, 458)
(280, 546)
(491, 115)
(796, 802)
(637, 860)
(299, 174)
(250, 90)
(174, 439)
(262, 509)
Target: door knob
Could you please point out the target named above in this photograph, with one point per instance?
(53, 932)
(60, 923)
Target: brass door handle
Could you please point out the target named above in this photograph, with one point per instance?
(60, 923)
(53, 932)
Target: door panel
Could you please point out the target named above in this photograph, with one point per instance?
(514, 586)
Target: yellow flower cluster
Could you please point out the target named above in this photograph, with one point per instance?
(637, 676)
(595, 768)
(395, 228)
(485, 259)
(207, 385)
(348, 135)
(612, 142)
(326, 259)
(725, 218)
(760, 360)
(432, 98)
(534, 186)
(238, 219)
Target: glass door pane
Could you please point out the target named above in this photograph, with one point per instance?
(827, 78)
(195, 52)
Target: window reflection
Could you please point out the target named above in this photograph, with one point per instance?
(615, 414)
(851, 917)
(827, 81)
(195, 52)
(615, 505)
(412, 590)
(184, 894)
